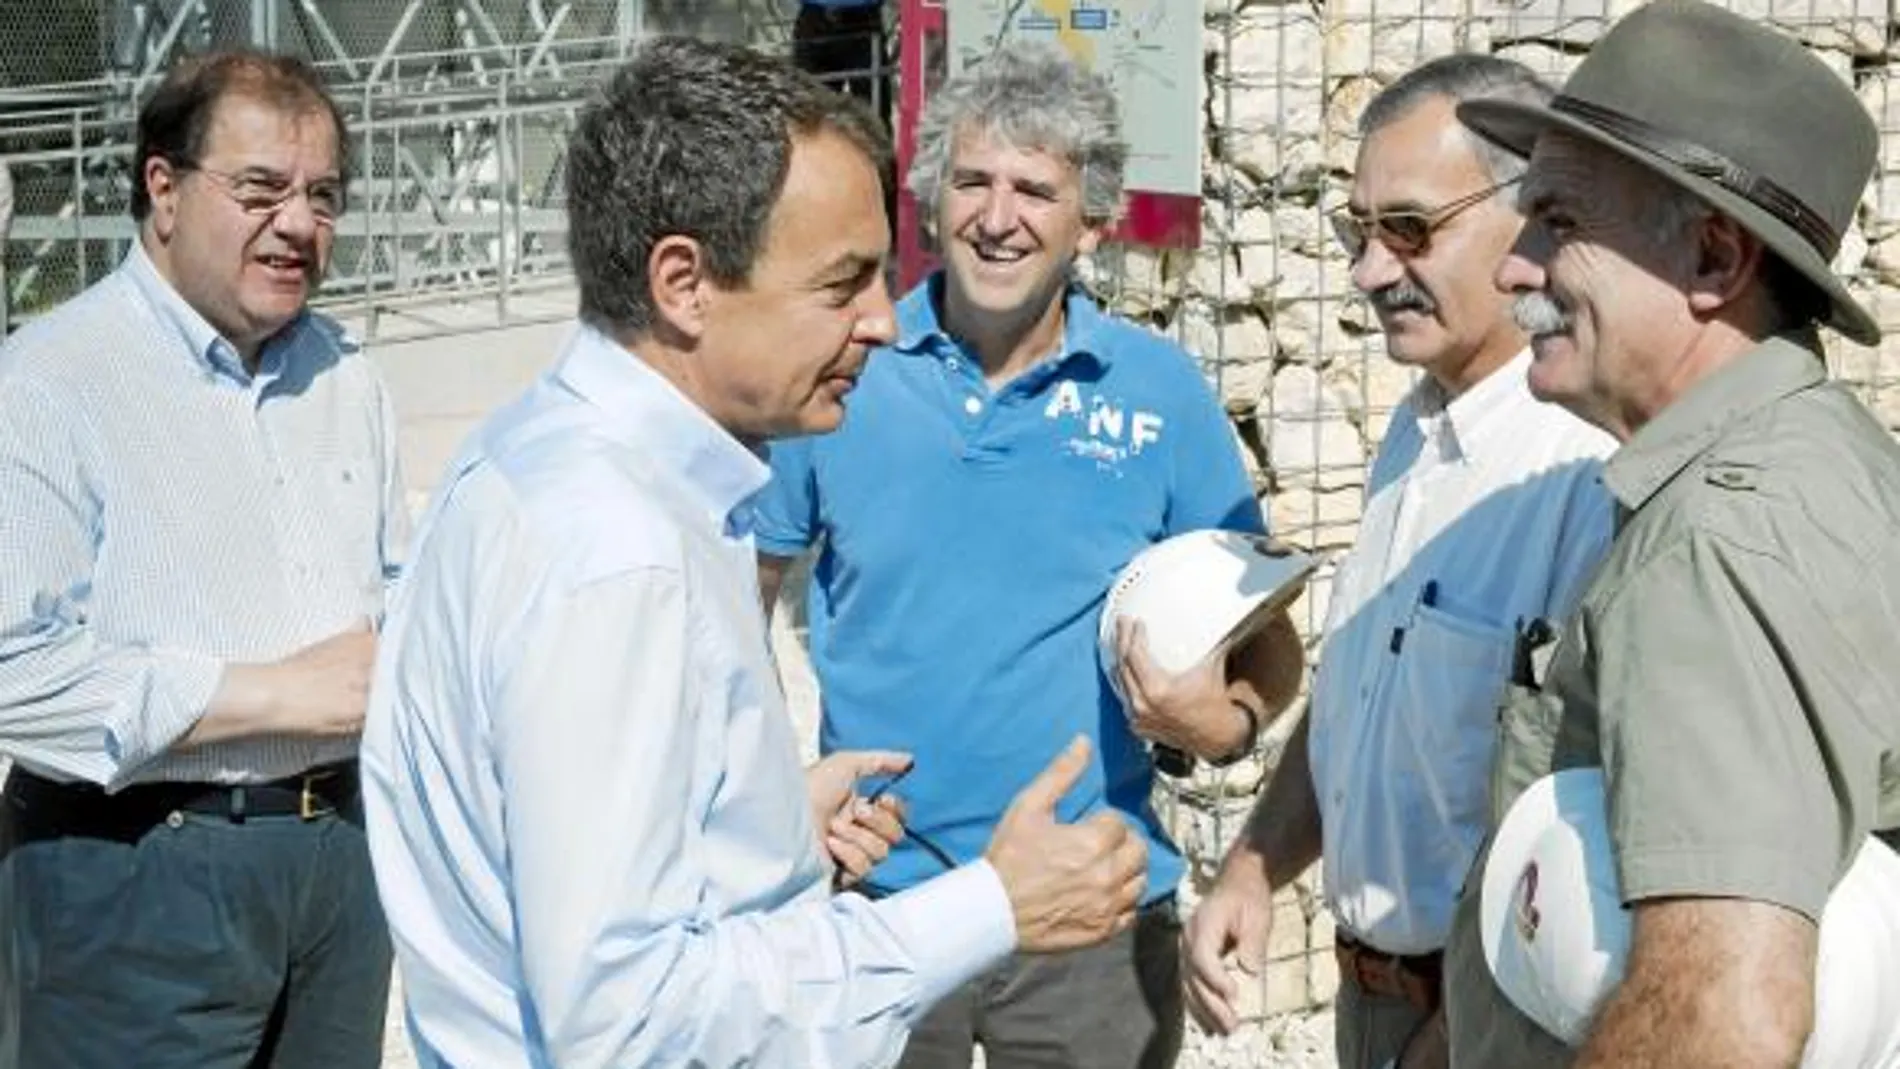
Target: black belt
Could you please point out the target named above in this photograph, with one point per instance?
(44, 808)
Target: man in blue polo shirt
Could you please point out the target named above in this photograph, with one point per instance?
(1001, 463)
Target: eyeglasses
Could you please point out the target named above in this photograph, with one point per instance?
(1406, 233)
(266, 193)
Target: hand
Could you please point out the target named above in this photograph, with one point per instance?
(1190, 711)
(322, 690)
(1235, 917)
(856, 833)
(1069, 885)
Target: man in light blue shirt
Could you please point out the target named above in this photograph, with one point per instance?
(591, 831)
(1011, 452)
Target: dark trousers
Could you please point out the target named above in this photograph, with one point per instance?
(1369, 1028)
(1114, 1006)
(195, 942)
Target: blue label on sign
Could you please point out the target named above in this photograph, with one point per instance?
(1089, 18)
(1038, 22)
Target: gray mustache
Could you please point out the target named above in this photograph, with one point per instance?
(1537, 313)
(1402, 296)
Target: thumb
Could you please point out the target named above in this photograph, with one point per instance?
(862, 763)
(1053, 782)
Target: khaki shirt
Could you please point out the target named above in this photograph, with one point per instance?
(1734, 666)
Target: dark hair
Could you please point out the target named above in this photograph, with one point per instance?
(176, 119)
(1459, 77)
(689, 138)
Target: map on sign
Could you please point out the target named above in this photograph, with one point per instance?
(1150, 50)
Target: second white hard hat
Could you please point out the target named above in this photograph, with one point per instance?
(1556, 935)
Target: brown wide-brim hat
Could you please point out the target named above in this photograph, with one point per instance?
(1732, 111)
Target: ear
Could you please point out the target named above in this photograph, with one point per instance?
(677, 282)
(161, 185)
(1727, 259)
(1091, 239)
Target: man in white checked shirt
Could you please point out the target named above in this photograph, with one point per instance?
(201, 512)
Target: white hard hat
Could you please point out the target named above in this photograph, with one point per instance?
(1200, 592)
(1556, 935)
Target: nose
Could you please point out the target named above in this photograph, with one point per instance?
(1376, 268)
(999, 211)
(877, 316)
(294, 218)
(1522, 268)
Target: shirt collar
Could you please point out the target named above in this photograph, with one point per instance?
(643, 409)
(1686, 428)
(1084, 324)
(1477, 415)
(210, 351)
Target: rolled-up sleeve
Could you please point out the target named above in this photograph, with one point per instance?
(1730, 768)
(71, 702)
(607, 760)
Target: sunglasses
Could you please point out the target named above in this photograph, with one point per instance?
(1404, 233)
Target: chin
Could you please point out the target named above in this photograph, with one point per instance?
(1409, 355)
(1546, 384)
(820, 419)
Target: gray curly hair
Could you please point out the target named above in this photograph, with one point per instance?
(1031, 96)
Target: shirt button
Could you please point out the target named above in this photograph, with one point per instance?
(972, 405)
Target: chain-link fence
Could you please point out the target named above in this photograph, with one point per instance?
(459, 111)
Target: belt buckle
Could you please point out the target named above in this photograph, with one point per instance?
(310, 804)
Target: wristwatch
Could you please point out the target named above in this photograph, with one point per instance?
(1246, 746)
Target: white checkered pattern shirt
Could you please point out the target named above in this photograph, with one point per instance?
(166, 512)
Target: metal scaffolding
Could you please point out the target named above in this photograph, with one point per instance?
(458, 112)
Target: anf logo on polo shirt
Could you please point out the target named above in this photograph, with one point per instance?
(1525, 912)
(1108, 425)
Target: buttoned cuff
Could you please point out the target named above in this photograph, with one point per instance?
(954, 926)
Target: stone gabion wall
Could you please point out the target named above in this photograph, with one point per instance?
(1268, 306)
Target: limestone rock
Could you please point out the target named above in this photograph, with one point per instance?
(1230, 336)
(1386, 40)
(1309, 437)
(1264, 102)
(1854, 27)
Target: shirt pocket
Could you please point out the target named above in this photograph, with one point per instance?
(1451, 671)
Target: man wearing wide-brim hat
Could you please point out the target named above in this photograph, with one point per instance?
(1731, 667)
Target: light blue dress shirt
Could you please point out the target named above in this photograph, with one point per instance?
(586, 807)
(164, 511)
